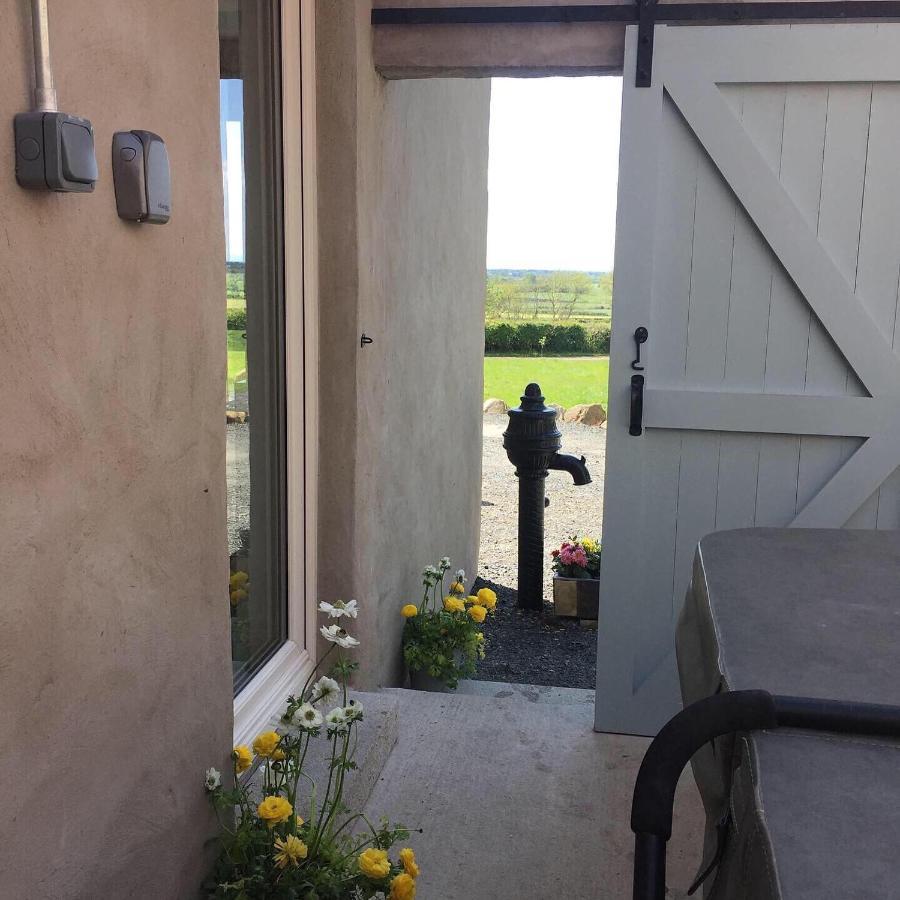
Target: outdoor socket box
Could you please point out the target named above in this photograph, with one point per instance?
(140, 165)
(55, 151)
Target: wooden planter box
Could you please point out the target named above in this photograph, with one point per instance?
(576, 597)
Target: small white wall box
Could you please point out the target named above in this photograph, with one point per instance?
(55, 151)
(140, 164)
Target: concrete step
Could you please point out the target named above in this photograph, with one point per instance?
(518, 797)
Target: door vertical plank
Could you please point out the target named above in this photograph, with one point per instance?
(803, 136)
(752, 273)
(713, 245)
(838, 222)
(878, 266)
(628, 626)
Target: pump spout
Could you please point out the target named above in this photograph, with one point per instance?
(573, 465)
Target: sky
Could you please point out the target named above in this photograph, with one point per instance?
(552, 174)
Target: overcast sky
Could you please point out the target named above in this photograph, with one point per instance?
(552, 174)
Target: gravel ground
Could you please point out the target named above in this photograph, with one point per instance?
(535, 647)
(237, 471)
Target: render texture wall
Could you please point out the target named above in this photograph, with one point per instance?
(402, 259)
(115, 682)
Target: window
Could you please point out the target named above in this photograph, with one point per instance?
(251, 135)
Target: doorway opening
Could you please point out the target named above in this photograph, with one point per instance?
(552, 179)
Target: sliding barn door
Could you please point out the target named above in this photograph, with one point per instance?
(759, 244)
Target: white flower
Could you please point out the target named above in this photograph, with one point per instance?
(213, 779)
(337, 635)
(325, 689)
(353, 711)
(460, 574)
(336, 610)
(307, 716)
(337, 719)
(445, 563)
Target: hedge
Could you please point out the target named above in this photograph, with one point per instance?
(532, 337)
(237, 319)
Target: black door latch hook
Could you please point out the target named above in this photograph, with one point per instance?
(640, 337)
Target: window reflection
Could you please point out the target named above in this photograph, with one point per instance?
(251, 168)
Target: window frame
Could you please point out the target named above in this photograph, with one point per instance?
(260, 699)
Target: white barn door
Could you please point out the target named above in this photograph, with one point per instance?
(758, 242)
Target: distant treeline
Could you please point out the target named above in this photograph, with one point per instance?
(558, 296)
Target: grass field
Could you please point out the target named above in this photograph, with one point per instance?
(237, 356)
(566, 380)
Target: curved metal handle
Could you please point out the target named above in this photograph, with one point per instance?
(640, 337)
(636, 427)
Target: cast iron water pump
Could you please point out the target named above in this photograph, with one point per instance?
(532, 442)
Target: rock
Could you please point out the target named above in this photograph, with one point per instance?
(495, 407)
(560, 410)
(235, 417)
(586, 414)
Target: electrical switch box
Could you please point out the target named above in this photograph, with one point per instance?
(55, 151)
(140, 164)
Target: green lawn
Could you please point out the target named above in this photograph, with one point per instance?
(566, 380)
(237, 355)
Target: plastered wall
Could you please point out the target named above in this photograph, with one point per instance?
(403, 209)
(115, 682)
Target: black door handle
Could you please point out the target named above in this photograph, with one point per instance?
(637, 405)
(640, 337)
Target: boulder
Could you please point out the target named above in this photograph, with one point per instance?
(560, 410)
(495, 407)
(585, 414)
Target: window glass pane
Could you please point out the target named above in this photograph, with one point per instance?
(250, 130)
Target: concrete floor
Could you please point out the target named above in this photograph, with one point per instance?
(519, 799)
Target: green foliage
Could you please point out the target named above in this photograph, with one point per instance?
(538, 337)
(442, 636)
(237, 318)
(443, 644)
(302, 841)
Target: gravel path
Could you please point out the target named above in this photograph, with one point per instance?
(536, 647)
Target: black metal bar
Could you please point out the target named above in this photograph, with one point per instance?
(504, 15)
(647, 11)
(697, 724)
(813, 11)
(635, 425)
(626, 13)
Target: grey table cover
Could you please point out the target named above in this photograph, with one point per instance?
(808, 613)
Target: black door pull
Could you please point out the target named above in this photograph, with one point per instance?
(640, 337)
(637, 405)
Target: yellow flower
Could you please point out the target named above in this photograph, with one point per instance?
(266, 743)
(454, 604)
(590, 545)
(471, 599)
(479, 638)
(290, 851)
(457, 588)
(242, 757)
(487, 598)
(408, 861)
(299, 820)
(274, 810)
(374, 863)
(409, 611)
(477, 613)
(403, 887)
(238, 580)
(238, 595)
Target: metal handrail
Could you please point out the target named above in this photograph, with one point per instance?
(684, 734)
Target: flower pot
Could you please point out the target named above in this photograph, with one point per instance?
(576, 597)
(422, 681)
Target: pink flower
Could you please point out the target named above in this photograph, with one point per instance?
(580, 558)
